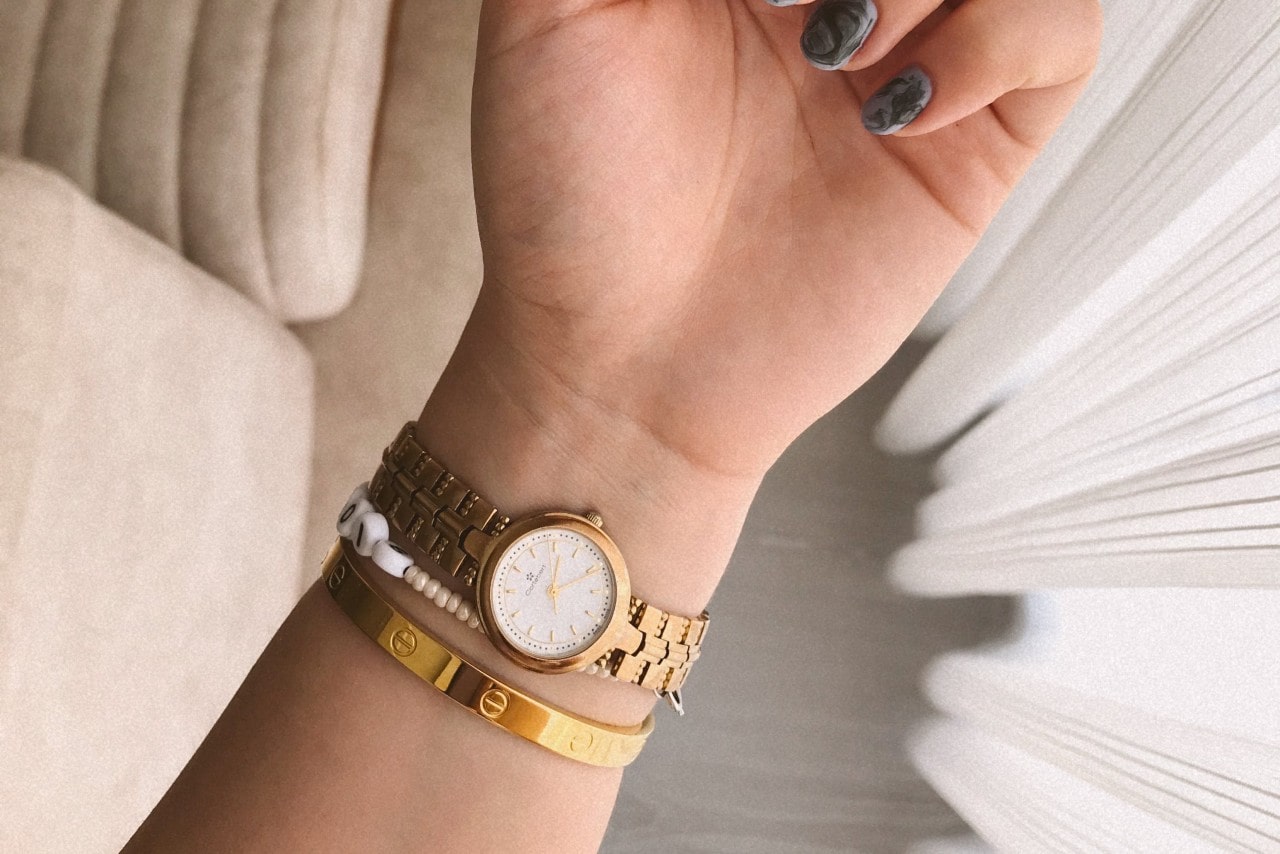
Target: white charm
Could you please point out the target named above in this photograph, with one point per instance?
(357, 505)
(391, 558)
(371, 529)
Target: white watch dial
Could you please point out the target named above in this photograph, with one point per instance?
(552, 593)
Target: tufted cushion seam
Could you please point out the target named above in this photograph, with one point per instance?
(95, 144)
(12, 136)
(260, 166)
(321, 149)
(54, 132)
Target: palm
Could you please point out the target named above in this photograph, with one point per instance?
(686, 203)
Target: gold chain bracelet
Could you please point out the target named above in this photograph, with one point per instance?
(555, 729)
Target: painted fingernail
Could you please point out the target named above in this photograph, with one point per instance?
(835, 30)
(782, 2)
(898, 102)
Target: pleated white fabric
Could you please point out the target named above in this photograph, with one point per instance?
(1152, 181)
(1108, 377)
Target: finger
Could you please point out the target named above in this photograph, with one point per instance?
(854, 34)
(1026, 60)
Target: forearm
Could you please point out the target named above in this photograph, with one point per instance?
(330, 744)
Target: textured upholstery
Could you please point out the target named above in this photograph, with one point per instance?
(237, 131)
(156, 454)
(377, 361)
(114, 327)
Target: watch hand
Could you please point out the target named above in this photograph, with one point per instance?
(590, 572)
(552, 590)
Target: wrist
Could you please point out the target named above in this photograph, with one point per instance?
(529, 440)
(539, 449)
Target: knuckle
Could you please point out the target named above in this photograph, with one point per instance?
(1087, 23)
(993, 46)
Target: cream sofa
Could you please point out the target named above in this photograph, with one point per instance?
(184, 188)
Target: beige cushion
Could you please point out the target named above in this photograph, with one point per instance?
(156, 447)
(236, 131)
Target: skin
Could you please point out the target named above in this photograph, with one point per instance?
(692, 251)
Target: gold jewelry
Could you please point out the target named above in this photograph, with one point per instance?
(555, 729)
(447, 521)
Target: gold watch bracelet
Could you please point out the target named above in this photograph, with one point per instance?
(447, 521)
(555, 729)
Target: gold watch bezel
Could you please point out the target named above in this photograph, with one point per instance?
(622, 586)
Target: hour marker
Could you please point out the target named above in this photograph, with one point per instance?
(598, 590)
(575, 551)
(553, 544)
(553, 635)
(574, 629)
(531, 630)
(511, 590)
(516, 614)
(592, 616)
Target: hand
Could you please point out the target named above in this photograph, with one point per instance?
(590, 572)
(693, 248)
(686, 227)
(552, 590)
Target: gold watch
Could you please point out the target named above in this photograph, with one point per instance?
(551, 588)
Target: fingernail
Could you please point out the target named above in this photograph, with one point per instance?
(898, 102)
(782, 2)
(835, 31)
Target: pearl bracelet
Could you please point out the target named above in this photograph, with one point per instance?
(369, 534)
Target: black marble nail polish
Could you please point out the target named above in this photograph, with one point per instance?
(898, 102)
(782, 2)
(835, 30)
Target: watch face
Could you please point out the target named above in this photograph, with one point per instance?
(553, 593)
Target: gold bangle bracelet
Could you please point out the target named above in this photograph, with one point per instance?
(555, 729)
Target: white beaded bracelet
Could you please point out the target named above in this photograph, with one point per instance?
(369, 533)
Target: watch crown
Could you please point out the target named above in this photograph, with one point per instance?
(594, 518)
